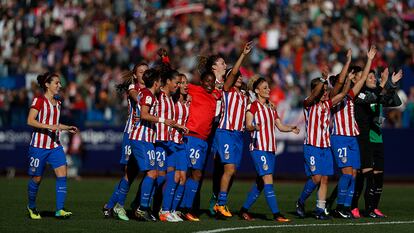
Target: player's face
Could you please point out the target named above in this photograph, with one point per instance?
(239, 82)
(157, 86)
(184, 85)
(325, 92)
(140, 72)
(220, 66)
(209, 83)
(371, 81)
(173, 84)
(263, 90)
(54, 85)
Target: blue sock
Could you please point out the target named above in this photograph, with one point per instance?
(252, 197)
(146, 191)
(343, 185)
(123, 190)
(178, 197)
(350, 193)
(60, 192)
(222, 198)
(307, 190)
(271, 198)
(114, 197)
(190, 191)
(32, 189)
(169, 191)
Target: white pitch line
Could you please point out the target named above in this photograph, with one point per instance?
(305, 225)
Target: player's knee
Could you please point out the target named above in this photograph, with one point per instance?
(268, 179)
(230, 170)
(37, 179)
(324, 180)
(196, 175)
(316, 179)
(152, 174)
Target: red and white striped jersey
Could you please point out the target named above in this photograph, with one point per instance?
(181, 116)
(133, 111)
(317, 119)
(145, 130)
(165, 109)
(233, 110)
(344, 122)
(265, 116)
(48, 114)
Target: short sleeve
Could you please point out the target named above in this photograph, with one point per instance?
(252, 107)
(276, 115)
(351, 94)
(146, 99)
(37, 103)
(131, 86)
(329, 103)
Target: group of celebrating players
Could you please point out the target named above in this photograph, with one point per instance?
(173, 126)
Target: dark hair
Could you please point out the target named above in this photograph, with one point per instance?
(257, 83)
(176, 96)
(166, 73)
(372, 71)
(333, 79)
(128, 78)
(355, 69)
(47, 77)
(205, 74)
(150, 77)
(315, 82)
(205, 64)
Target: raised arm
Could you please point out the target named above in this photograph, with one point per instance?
(286, 128)
(340, 82)
(232, 77)
(315, 92)
(339, 97)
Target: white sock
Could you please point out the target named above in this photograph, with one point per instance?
(320, 204)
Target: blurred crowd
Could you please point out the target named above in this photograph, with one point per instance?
(91, 42)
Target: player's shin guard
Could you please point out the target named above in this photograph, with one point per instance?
(123, 190)
(32, 189)
(369, 191)
(343, 186)
(169, 191)
(359, 185)
(350, 193)
(60, 192)
(252, 197)
(379, 182)
(191, 187)
(271, 198)
(307, 190)
(146, 191)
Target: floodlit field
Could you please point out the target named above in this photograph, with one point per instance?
(86, 198)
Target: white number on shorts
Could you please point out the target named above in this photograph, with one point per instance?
(34, 162)
(159, 154)
(263, 158)
(226, 148)
(151, 155)
(194, 153)
(127, 150)
(312, 160)
(340, 150)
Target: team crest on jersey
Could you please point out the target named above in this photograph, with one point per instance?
(344, 159)
(152, 162)
(193, 161)
(226, 156)
(313, 168)
(265, 167)
(161, 163)
(148, 100)
(33, 169)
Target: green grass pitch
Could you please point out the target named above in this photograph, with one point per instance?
(86, 198)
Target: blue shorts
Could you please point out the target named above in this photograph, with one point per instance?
(177, 159)
(264, 162)
(144, 153)
(126, 149)
(196, 150)
(318, 160)
(229, 145)
(38, 157)
(346, 151)
(162, 151)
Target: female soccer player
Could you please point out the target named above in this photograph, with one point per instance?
(228, 138)
(317, 151)
(142, 139)
(132, 84)
(261, 120)
(45, 146)
(177, 159)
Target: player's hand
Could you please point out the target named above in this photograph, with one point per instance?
(183, 129)
(257, 127)
(396, 77)
(384, 77)
(247, 47)
(295, 130)
(371, 53)
(73, 129)
(325, 72)
(169, 122)
(349, 55)
(54, 128)
(351, 76)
